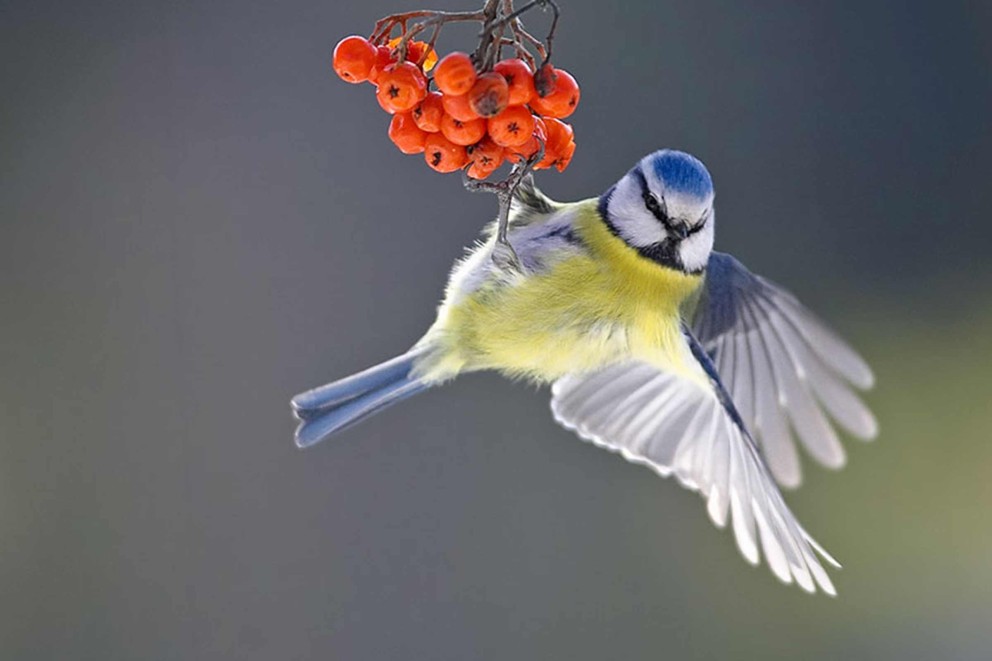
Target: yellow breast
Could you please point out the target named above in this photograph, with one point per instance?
(591, 309)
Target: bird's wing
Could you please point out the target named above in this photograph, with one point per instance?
(678, 426)
(783, 367)
(529, 204)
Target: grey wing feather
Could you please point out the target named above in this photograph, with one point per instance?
(677, 427)
(784, 368)
(529, 203)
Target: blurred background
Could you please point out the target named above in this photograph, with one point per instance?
(198, 220)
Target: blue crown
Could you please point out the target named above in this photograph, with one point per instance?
(681, 173)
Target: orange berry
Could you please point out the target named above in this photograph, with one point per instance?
(565, 157)
(560, 135)
(463, 133)
(512, 127)
(477, 171)
(544, 80)
(561, 102)
(533, 144)
(353, 59)
(486, 156)
(443, 155)
(427, 114)
(401, 87)
(421, 53)
(417, 52)
(405, 134)
(490, 95)
(383, 58)
(455, 74)
(459, 107)
(519, 79)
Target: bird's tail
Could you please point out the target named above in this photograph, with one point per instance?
(330, 408)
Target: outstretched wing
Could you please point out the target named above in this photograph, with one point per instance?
(783, 367)
(678, 426)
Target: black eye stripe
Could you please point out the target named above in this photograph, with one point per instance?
(651, 203)
(657, 208)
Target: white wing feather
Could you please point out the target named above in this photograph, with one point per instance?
(785, 370)
(677, 427)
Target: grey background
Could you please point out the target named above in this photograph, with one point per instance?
(197, 220)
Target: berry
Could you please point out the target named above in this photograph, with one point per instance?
(443, 155)
(383, 58)
(459, 107)
(559, 147)
(519, 79)
(533, 144)
(490, 95)
(421, 53)
(401, 87)
(463, 133)
(353, 59)
(486, 157)
(455, 74)
(417, 52)
(512, 127)
(405, 134)
(427, 114)
(544, 80)
(561, 102)
(565, 157)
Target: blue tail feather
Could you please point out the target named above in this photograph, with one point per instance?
(331, 408)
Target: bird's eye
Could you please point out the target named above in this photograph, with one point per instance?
(652, 204)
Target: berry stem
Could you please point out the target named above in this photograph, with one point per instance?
(503, 255)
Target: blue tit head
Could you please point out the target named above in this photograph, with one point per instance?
(663, 208)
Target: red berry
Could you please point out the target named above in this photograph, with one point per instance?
(401, 87)
(443, 155)
(354, 58)
(512, 127)
(463, 133)
(429, 112)
(519, 79)
(561, 102)
(459, 107)
(490, 95)
(455, 74)
(405, 134)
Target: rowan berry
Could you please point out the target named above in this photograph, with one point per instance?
(401, 87)
(490, 95)
(512, 127)
(458, 107)
(519, 79)
(427, 114)
(353, 59)
(455, 74)
(486, 156)
(444, 155)
(463, 133)
(525, 151)
(561, 102)
(405, 134)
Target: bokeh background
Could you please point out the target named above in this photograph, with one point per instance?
(198, 220)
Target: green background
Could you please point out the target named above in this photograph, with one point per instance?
(198, 220)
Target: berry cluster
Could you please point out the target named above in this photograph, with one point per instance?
(460, 116)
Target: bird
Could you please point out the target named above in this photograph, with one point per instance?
(654, 345)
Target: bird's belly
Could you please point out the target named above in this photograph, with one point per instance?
(574, 318)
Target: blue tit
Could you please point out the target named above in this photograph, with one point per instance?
(655, 347)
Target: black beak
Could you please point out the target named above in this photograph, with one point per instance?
(681, 231)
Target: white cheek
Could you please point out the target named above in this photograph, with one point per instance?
(695, 250)
(636, 225)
